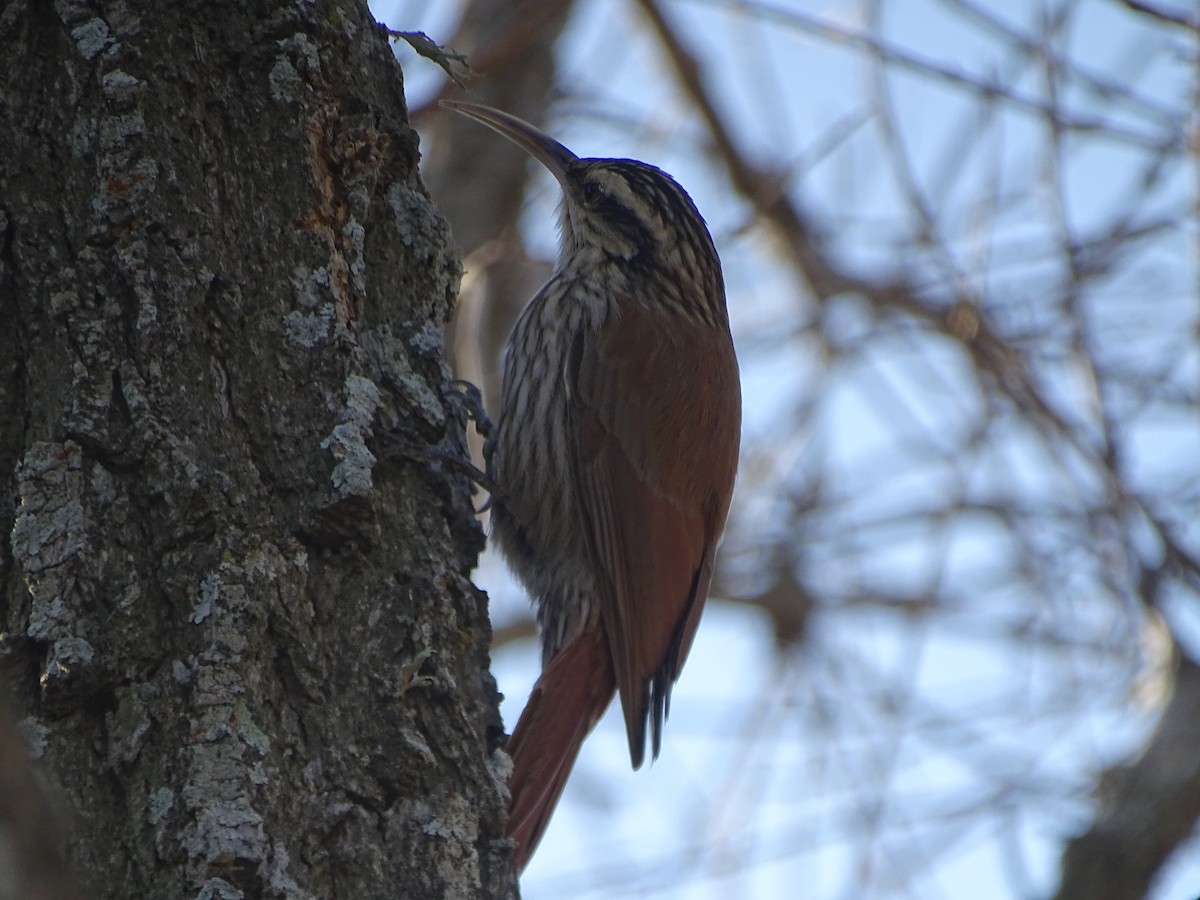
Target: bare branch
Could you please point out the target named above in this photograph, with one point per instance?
(1147, 809)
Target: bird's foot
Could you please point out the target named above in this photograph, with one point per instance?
(470, 399)
(395, 444)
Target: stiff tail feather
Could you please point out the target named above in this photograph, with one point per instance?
(567, 701)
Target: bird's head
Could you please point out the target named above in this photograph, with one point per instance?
(616, 209)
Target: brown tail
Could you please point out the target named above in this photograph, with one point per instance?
(568, 699)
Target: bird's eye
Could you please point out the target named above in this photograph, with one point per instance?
(592, 192)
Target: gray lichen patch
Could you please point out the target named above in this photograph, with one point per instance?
(391, 356)
(299, 56)
(284, 81)
(229, 758)
(161, 803)
(310, 329)
(91, 38)
(121, 90)
(426, 235)
(347, 442)
(429, 342)
(210, 590)
(250, 733)
(362, 399)
(67, 655)
(311, 286)
(315, 322)
(302, 49)
(50, 533)
(219, 889)
(418, 222)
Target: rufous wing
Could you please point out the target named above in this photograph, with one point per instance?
(656, 447)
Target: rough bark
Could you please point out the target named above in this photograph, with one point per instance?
(246, 652)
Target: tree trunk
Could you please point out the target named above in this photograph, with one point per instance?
(246, 651)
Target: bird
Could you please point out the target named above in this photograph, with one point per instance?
(615, 453)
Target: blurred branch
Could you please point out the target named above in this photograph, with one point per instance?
(1101, 85)
(523, 628)
(1183, 19)
(985, 90)
(1152, 806)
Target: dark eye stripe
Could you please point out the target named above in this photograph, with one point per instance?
(618, 217)
(657, 189)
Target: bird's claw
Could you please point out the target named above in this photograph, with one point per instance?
(396, 445)
(470, 398)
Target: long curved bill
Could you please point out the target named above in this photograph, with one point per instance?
(545, 149)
